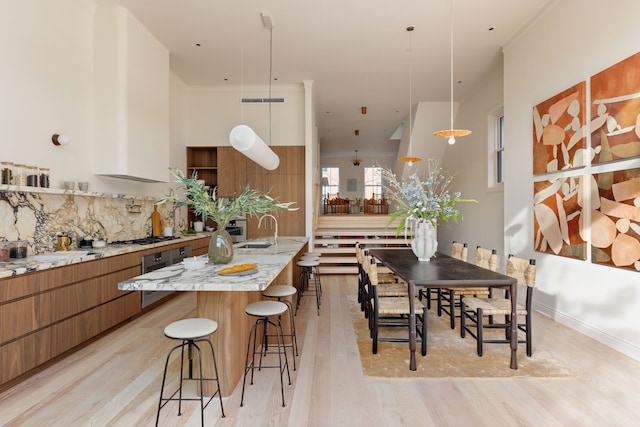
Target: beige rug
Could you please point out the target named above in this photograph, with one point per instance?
(448, 355)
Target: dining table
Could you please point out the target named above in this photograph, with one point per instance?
(443, 271)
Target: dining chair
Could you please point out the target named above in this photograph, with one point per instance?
(393, 311)
(389, 284)
(476, 309)
(449, 298)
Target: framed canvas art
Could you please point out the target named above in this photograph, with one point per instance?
(615, 111)
(559, 131)
(559, 216)
(615, 218)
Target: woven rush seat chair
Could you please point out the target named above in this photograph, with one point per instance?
(451, 297)
(392, 311)
(476, 309)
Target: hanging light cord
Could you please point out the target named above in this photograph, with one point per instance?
(270, 77)
(451, 66)
(410, 87)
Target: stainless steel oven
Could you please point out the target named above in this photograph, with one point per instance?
(157, 261)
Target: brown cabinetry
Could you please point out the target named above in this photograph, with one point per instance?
(46, 313)
(232, 172)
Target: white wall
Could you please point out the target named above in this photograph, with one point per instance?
(482, 222)
(46, 82)
(570, 42)
(212, 112)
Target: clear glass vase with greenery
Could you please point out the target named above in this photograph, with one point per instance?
(206, 204)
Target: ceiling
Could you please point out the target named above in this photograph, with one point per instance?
(355, 51)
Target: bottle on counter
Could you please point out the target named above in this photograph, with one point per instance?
(6, 168)
(156, 222)
(44, 177)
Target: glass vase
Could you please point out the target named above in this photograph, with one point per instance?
(220, 247)
(425, 240)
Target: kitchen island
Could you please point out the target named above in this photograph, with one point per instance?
(223, 298)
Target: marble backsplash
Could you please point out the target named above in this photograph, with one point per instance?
(37, 216)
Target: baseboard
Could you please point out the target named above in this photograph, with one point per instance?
(598, 335)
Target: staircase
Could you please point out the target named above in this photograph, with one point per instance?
(336, 236)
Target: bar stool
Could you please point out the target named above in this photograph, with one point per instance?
(266, 311)
(282, 293)
(310, 268)
(190, 332)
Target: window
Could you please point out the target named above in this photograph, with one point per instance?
(372, 182)
(496, 148)
(330, 181)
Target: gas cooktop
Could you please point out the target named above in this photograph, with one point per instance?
(149, 240)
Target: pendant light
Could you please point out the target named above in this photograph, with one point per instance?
(356, 162)
(242, 137)
(451, 134)
(410, 160)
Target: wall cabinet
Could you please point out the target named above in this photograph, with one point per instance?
(232, 172)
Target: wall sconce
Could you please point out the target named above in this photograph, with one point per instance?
(246, 141)
(60, 139)
(363, 109)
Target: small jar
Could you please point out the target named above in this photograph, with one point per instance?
(44, 177)
(19, 177)
(4, 251)
(6, 168)
(18, 249)
(31, 173)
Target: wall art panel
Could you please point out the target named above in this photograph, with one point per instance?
(615, 219)
(559, 131)
(615, 111)
(559, 216)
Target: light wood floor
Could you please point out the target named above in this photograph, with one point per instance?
(116, 380)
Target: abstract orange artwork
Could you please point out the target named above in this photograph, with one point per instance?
(615, 111)
(559, 216)
(559, 131)
(615, 219)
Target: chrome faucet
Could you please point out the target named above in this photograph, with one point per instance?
(275, 221)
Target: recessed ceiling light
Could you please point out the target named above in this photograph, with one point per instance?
(490, 28)
(198, 44)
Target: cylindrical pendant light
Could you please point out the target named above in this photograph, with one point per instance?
(246, 141)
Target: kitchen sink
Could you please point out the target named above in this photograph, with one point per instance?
(256, 245)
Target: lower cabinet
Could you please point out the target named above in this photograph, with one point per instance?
(46, 313)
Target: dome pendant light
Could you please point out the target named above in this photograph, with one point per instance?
(410, 160)
(451, 134)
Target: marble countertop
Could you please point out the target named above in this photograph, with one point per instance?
(271, 261)
(16, 266)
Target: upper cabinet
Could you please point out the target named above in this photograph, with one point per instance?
(204, 162)
(232, 172)
(131, 98)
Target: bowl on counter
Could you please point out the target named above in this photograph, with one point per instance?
(99, 244)
(194, 263)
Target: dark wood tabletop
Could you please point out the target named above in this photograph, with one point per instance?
(443, 271)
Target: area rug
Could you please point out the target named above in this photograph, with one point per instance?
(448, 355)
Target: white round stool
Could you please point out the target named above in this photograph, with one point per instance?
(282, 294)
(267, 313)
(310, 268)
(190, 332)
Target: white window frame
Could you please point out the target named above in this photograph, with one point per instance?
(378, 186)
(495, 160)
(334, 182)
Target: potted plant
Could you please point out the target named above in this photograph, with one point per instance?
(421, 205)
(206, 204)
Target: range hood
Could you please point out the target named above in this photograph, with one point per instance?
(131, 121)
